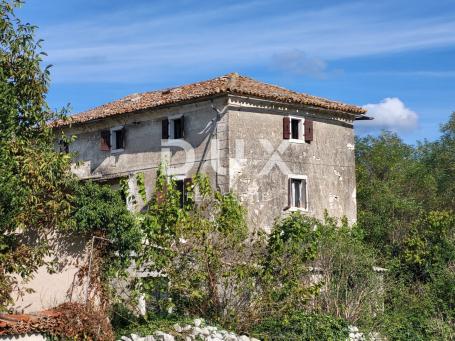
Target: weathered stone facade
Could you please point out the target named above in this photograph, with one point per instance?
(238, 142)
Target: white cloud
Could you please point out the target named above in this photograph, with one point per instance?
(391, 113)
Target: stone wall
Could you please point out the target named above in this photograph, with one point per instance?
(328, 161)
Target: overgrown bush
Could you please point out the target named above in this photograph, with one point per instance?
(205, 262)
(302, 326)
(350, 288)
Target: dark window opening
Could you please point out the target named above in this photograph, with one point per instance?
(183, 186)
(180, 187)
(178, 128)
(119, 139)
(64, 146)
(295, 127)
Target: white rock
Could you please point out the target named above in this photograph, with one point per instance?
(353, 329)
(230, 337)
(187, 327)
(196, 331)
(254, 339)
(197, 322)
(149, 338)
(136, 337)
(244, 338)
(160, 336)
(205, 331)
(177, 328)
(218, 335)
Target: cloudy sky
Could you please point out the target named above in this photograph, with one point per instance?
(396, 58)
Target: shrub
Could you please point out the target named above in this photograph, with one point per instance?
(302, 326)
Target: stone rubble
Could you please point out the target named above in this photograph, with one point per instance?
(200, 331)
(197, 331)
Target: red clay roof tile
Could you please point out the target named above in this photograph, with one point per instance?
(231, 83)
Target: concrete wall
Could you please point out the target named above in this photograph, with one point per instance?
(328, 161)
(59, 286)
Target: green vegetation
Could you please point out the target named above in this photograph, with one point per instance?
(302, 326)
(33, 178)
(406, 215)
(307, 280)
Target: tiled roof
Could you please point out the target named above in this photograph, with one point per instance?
(231, 83)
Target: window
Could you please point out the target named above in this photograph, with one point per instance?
(117, 139)
(178, 128)
(182, 185)
(64, 146)
(297, 129)
(113, 140)
(173, 128)
(105, 140)
(298, 196)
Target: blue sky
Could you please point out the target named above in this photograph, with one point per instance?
(397, 58)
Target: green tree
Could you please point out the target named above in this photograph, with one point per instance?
(33, 177)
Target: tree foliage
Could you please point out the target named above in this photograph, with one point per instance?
(33, 178)
(406, 214)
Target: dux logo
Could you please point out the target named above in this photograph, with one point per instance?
(187, 151)
(275, 158)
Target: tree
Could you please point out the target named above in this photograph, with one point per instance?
(405, 196)
(33, 178)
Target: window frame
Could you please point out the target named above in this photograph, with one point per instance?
(301, 127)
(171, 127)
(179, 178)
(290, 191)
(113, 139)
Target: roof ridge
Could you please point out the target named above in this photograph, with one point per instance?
(228, 83)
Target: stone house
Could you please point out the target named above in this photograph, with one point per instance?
(278, 150)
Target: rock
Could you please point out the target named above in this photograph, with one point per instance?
(353, 329)
(177, 328)
(196, 331)
(230, 337)
(160, 336)
(205, 332)
(254, 339)
(149, 338)
(218, 336)
(244, 338)
(136, 337)
(187, 327)
(189, 338)
(197, 322)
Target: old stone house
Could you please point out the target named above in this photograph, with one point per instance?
(278, 150)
